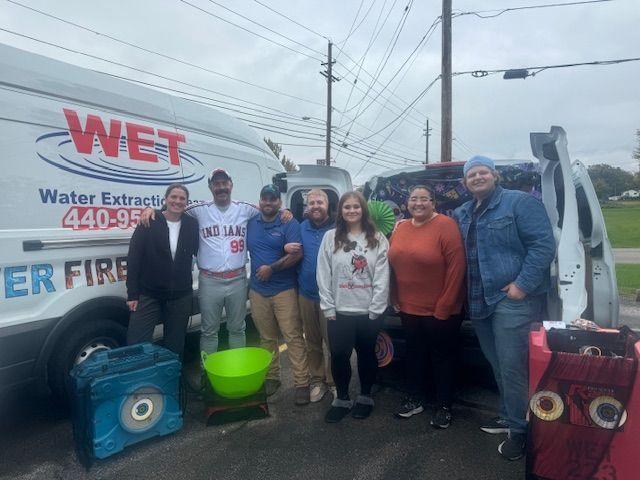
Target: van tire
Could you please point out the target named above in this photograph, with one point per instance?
(95, 335)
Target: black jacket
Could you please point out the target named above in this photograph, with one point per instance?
(150, 269)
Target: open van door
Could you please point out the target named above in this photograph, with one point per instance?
(295, 186)
(601, 283)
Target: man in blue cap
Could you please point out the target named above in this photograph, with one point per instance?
(509, 248)
(272, 291)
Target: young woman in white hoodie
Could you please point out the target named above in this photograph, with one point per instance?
(353, 281)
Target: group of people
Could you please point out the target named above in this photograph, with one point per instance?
(329, 283)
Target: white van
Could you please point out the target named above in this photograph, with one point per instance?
(83, 154)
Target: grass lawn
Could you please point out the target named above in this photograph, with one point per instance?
(623, 223)
(628, 278)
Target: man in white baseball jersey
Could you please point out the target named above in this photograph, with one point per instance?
(222, 255)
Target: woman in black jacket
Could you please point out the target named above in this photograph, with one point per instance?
(159, 275)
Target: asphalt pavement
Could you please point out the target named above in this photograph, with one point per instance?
(293, 442)
(627, 255)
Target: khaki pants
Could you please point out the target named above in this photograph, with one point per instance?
(315, 331)
(279, 315)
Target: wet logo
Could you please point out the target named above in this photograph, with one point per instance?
(118, 151)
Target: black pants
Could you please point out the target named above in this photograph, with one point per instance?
(345, 333)
(436, 340)
(174, 315)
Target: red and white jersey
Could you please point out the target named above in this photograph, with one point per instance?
(223, 234)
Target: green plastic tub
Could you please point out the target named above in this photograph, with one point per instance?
(238, 372)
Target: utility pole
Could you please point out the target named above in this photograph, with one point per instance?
(330, 79)
(427, 134)
(445, 139)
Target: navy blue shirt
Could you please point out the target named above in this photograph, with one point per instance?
(266, 241)
(311, 240)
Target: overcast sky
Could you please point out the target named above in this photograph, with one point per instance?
(599, 106)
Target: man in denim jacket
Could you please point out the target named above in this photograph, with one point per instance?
(509, 246)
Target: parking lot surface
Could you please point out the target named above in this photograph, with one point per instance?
(36, 442)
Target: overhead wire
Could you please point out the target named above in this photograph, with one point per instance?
(153, 52)
(484, 73)
(525, 7)
(353, 30)
(250, 31)
(374, 37)
(290, 19)
(264, 26)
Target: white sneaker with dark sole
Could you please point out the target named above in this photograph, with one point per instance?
(495, 426)
(409, 408)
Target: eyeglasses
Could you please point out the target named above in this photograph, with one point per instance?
(421, 199)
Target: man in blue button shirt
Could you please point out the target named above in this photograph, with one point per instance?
(272, 291)
(313, 322)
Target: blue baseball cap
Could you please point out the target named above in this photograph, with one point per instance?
(477, 161)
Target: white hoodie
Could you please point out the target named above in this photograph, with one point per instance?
(355, 279)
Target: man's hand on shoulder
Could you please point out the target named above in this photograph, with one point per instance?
(146, 216)
(286, 216)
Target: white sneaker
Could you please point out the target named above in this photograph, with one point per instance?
(317, 392)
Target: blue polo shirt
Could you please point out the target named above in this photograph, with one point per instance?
(311, 240)
(266, 241)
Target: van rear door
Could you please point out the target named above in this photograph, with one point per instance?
(601, 283)
(295, 186)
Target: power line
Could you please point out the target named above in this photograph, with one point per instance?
(153, 52)
(383, 60)
(526, 7)
(374, 37)
(252, 32)
(291, 20)
(263, 26)
(484, 73)
(418, 98)
(386, 86)
(353, 30)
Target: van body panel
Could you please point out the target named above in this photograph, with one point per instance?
(83, 154)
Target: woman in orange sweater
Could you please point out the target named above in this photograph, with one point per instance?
(427, 288)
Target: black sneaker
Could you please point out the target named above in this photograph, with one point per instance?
(513, 447)
(495, 426)
(409, 407)
(442, 418)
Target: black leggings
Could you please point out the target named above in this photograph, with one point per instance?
(345, 333)
(436, 340)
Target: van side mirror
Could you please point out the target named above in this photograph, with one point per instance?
(280, 181)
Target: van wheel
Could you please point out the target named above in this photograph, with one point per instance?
(91, 337)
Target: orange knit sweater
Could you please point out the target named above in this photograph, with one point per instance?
(428, 268)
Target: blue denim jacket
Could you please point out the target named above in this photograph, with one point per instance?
(515, 243)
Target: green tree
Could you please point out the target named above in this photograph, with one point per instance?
(288, 164)
(609, 181)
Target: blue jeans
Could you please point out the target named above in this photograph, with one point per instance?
(504, 339)
(213, 295)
